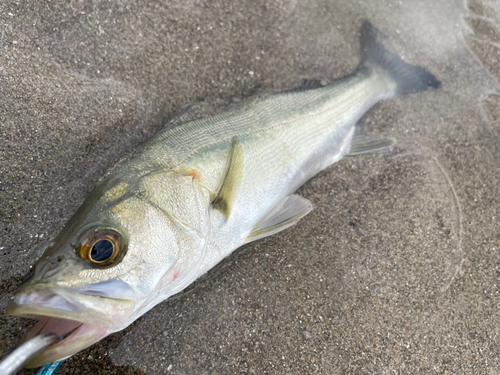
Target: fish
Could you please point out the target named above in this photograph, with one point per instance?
(194, 193)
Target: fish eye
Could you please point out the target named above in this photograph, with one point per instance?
(103, 247)
(101, 251)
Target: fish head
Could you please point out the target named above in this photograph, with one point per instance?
(127, 248)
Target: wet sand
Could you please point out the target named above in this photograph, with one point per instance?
(396, 270)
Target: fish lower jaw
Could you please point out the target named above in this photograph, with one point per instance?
(82, 336)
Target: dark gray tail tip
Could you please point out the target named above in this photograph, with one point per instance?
(409, 78)
(434, 82)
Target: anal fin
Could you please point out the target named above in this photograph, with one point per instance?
(368, 143)
(287, 213)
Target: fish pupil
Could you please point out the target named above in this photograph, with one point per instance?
(101, 251)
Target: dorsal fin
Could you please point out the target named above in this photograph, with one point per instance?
(231, 179)
(310, 84)
(287, 213)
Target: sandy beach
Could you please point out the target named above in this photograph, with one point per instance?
(395, 271)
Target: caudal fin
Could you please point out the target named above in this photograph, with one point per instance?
(409, 78)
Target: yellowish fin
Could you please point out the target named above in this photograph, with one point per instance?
(231, 180)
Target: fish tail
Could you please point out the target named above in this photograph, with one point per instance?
(408, 78)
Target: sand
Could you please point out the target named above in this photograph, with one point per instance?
(396, 270)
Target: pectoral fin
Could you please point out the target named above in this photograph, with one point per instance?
(284, 215)
(231, 179)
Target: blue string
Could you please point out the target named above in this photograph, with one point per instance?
(49, 369)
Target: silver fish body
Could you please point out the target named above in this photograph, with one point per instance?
(193, 194)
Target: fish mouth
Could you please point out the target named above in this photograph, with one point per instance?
(82, 336)
(88, 318)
